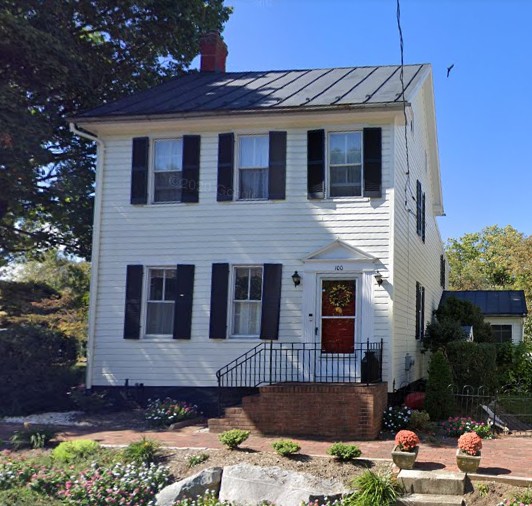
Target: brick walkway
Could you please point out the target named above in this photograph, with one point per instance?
(506, 456)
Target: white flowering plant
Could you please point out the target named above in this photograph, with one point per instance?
(395, 419)
(165, 412)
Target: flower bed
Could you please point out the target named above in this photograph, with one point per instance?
(456, 426)
(165, 412)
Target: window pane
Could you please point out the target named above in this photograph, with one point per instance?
(253, 151)
(170, 285)
(168, 155)
(256, 284)
(337, 153)
(241, 284)
(346, 181)
(354, 147)
(156, 284)
(253, 184)
(160, 318)
(246, 318)
(167, 187)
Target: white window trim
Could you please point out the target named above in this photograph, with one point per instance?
(145, 300)
(230, 310)
(151, 171)
(236, 176)
(328, 170)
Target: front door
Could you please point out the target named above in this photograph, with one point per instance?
(338, 315)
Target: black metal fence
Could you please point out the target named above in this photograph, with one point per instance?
(276, 362)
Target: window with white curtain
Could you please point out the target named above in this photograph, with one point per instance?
(253, 155)
(247, 301)
(167, 170)
(345, 164)
(161, 301)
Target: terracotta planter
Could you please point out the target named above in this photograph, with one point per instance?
(404, 460)
(467, 463)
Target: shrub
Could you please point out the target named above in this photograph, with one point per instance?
(165, 412)
(514, 367)
(439, 401)
(90, 402)
(394, 418)
(195, 460)
(285, 447)
(142, 452)
(473, 363)
(37, 369)
(419, 420)
(344, 452)
(470, 443)
(375, 489)
(233, 438)
(406, 440)
(31, 438)
(73, 451)
(456, 426)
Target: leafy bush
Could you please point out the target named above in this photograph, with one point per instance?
(31, 438)
(285, 447)
(396, 418)
(373, 488)
(344, 452)
(473, 363)
(456, 426)
(233, 438)
(72, 451)
(90, 402)
(165, 412)
(37, 369)
(195, 460)
(142, 452)
(470, 443)
(521, 498)
(439, 401)
(419, 420)
(514, 367)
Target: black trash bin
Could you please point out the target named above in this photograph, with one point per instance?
(370, 368)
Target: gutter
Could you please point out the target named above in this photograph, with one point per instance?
(95, 254)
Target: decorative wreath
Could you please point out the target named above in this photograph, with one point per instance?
(341, 296)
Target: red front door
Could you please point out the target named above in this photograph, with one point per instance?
(338, 315)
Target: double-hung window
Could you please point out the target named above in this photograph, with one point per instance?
(167, 170)
(160, 305)
(253, 162)
(247, 301)
(345, 164)
(502, 333)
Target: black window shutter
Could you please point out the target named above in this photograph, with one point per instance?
(191, 168)
(418, 309)
(316, 164)
(422, 315)
(226, 161)
(183, 301)
(442, 271)
(139, 170)
(423, 221)
(271, 301)
(219, 300)
(372, 162)
(134, 278)
(418, 207)
(277, 166)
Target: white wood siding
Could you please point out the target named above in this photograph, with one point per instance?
(235, 232)
(413, 259)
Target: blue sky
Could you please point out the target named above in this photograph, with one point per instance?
(484, 109)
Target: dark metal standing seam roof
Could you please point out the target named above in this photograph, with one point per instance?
(268, 90)
(492, 302)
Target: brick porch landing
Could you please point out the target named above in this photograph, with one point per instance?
(340, 410)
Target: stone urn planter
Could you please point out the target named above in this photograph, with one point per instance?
(467, 463)
(404, 460)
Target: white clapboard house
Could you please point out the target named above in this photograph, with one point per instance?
(285, 217)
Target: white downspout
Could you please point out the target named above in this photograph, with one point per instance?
(95, 255)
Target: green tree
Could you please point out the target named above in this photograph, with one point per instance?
(60, 57)
(439, 402)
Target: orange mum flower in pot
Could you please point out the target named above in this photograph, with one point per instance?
(406, 449)
(468, 453)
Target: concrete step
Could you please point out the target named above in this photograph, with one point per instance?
(235, 410)
(431, 500)
(432, 482)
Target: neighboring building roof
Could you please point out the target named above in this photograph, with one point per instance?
(211, 92)
(492, 302)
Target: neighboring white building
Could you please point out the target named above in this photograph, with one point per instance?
(213, 189)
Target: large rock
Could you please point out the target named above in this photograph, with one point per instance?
(244, 484)
(205, 481)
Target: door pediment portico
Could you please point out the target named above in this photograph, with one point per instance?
(340, 251)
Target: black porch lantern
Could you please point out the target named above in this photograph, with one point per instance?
(296, 278)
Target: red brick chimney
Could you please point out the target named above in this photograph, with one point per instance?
(213, 53)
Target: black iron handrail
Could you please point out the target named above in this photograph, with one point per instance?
(278, 362)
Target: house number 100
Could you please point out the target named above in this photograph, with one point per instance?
(338, 267)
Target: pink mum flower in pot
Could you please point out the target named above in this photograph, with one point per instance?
(406, 440)
(470, 443)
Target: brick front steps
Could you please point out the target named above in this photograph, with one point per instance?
(348, 411)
